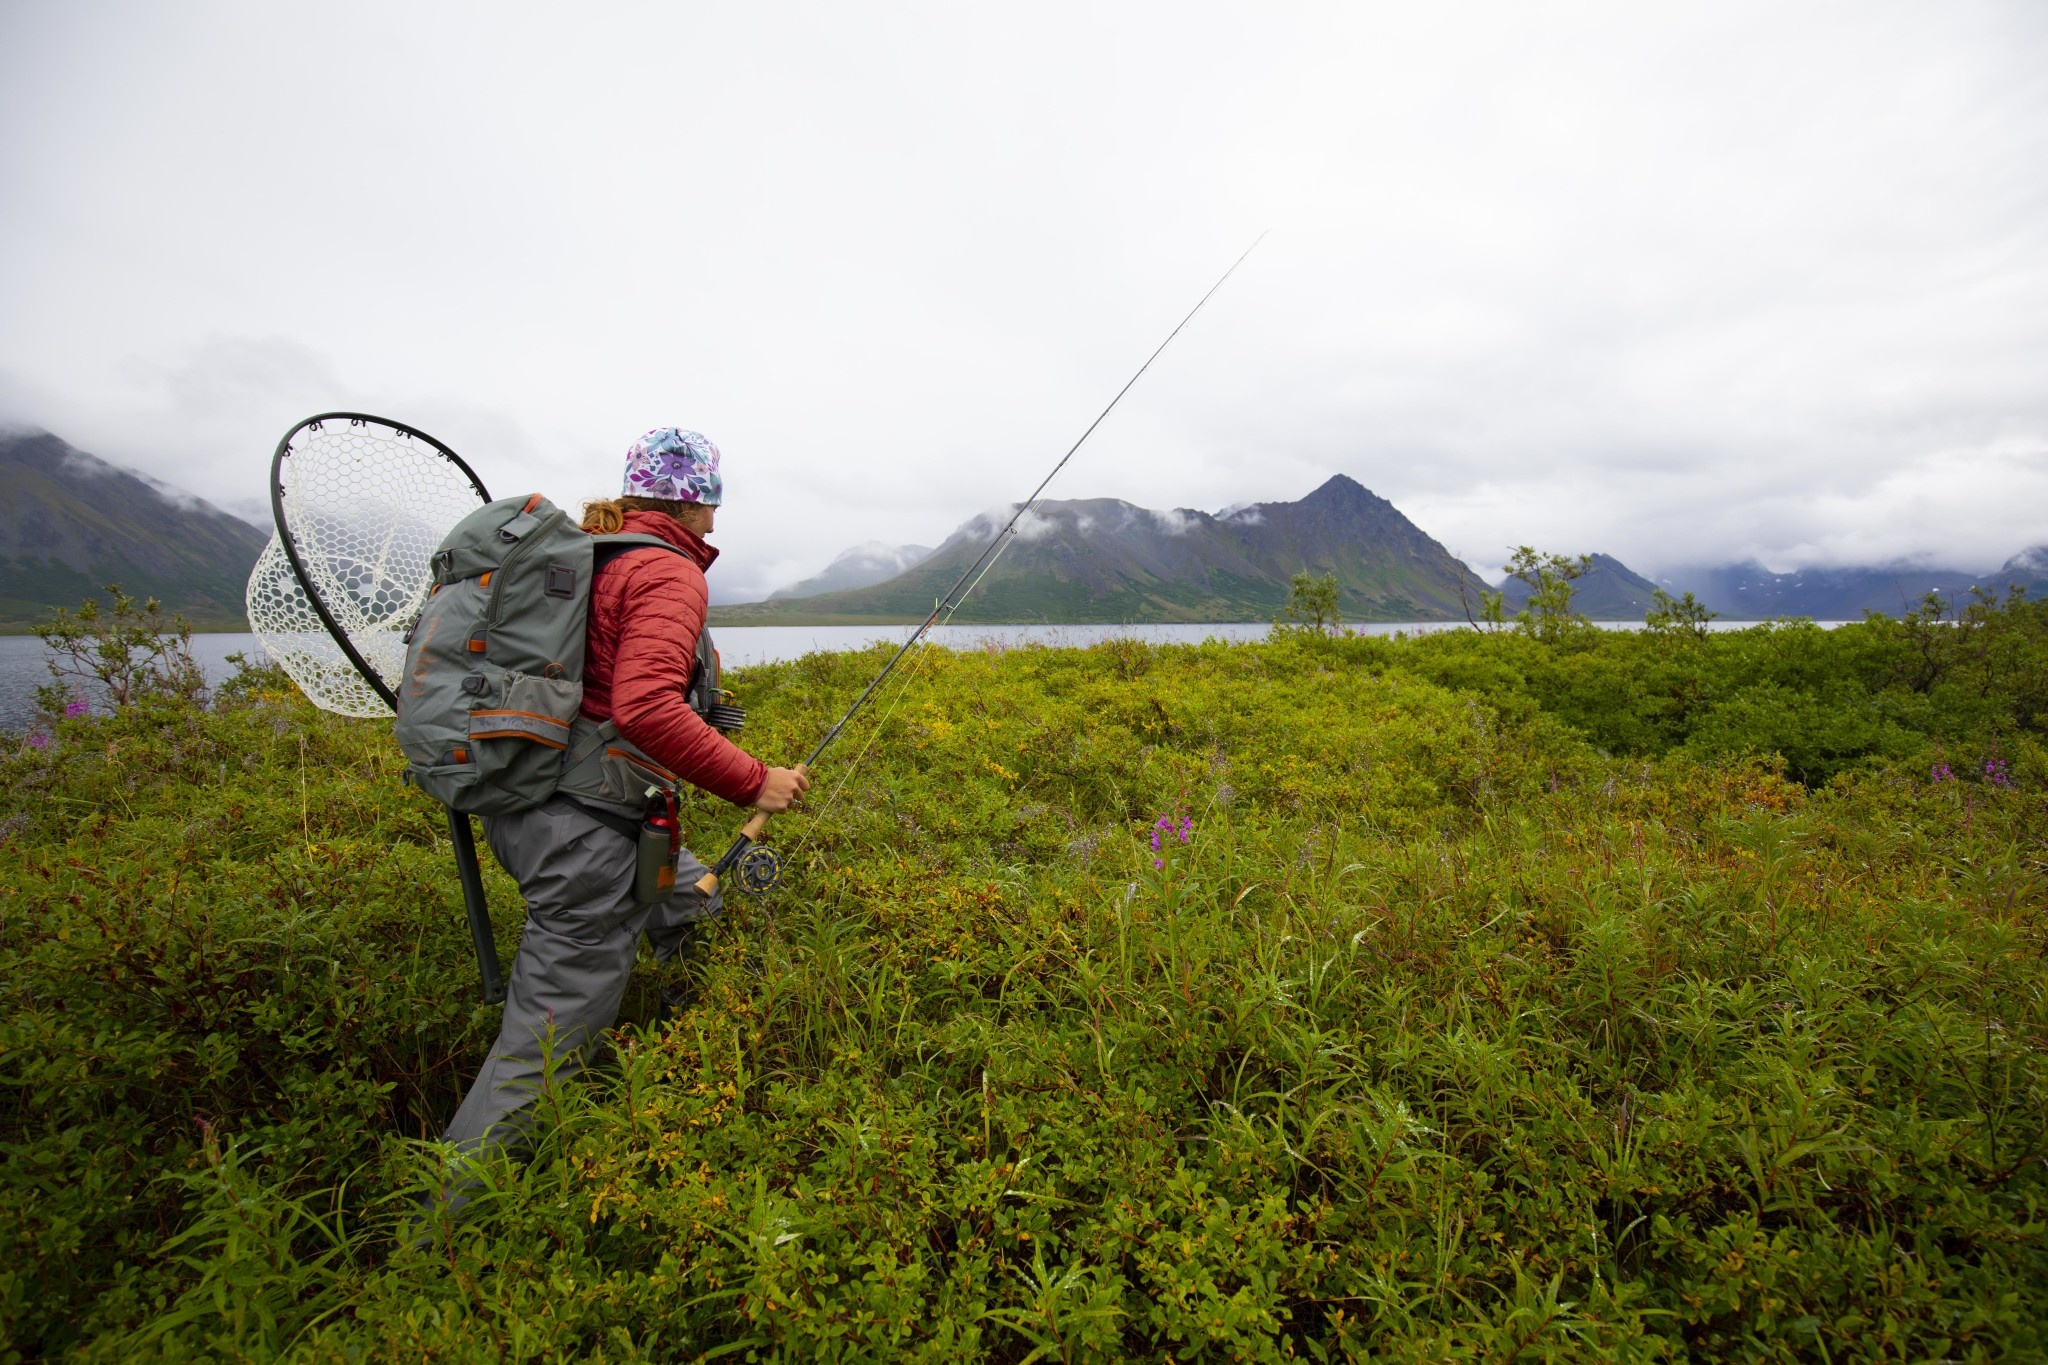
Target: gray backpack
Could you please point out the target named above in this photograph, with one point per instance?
(489, 709)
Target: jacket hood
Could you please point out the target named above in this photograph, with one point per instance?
(674, 532)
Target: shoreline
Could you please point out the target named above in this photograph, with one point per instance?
(20, 630)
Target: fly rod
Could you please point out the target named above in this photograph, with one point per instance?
(759, 868)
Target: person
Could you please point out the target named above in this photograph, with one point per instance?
(573, 856)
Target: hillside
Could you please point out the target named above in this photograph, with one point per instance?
(2027, 569)
(1612, 591)
(873, 562)
(1101, 559)
(1751, 592)
(70, 522)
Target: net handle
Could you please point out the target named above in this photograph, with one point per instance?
(291, 546)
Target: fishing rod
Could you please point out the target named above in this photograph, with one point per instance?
(759, 868)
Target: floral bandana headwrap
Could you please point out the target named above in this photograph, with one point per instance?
(678, 465)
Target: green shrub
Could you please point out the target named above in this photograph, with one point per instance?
(1446, 1034)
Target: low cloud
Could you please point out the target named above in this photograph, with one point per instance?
(1036, 525)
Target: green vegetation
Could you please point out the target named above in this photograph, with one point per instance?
(118, 652)
(1311, 605)
(1548, 578)
(1625, 996)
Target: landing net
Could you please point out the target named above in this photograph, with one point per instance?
(360, 503)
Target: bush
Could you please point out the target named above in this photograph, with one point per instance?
(117, 655)
(1443, 1034)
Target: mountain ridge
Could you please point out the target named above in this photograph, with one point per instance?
(1747, 591)
(858, 567)
(1105, 560)
(71, 522)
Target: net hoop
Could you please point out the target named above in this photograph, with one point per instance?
(350, 559)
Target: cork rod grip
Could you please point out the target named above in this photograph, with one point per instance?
(757, 824)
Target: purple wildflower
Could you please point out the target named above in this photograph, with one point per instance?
(1995, 772)
(1942, 773)
(1184, 830)
(38, 742)
(76, 707)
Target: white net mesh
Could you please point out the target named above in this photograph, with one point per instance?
(366, 505)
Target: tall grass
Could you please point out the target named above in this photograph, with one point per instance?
(1459, 1026)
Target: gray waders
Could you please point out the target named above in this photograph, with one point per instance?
(582, 933)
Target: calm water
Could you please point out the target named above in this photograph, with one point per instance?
(766, 644)
(21, 656)
(22, 668)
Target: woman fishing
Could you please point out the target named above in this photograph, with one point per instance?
(574, 855)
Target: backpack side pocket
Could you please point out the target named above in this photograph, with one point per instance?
(518, 733)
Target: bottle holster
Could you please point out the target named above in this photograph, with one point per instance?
(654, 854)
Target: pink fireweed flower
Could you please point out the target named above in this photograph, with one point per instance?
(38, 742)
(1942, 773)
(1995, 772)
(1184, 830)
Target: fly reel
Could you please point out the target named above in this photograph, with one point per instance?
(758, 870)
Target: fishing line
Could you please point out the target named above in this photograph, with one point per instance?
(902, 690)
(759, 868)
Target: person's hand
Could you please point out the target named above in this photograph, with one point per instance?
(780, 791)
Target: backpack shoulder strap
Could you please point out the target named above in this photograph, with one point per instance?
(607, 548)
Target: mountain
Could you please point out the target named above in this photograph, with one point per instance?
(1609, 591)
(873, 562)
(1612, 591)
(2028, 569)
(1101, 559)
(1750, 592)
(70, 522)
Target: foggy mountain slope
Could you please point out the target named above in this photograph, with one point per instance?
(70, 523)
(1102, 559)
(858, 567)
(1751, 592)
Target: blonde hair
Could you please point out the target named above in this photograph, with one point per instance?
(607, 516)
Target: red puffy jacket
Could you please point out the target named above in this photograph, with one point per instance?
(646, 610)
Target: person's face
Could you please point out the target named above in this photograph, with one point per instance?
(700, 518)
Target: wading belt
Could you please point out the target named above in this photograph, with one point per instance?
(627, 826)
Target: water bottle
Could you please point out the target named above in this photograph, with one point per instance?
(654, 865)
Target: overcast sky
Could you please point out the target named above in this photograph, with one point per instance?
(1683, 283)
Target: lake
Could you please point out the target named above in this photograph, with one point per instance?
(21, 656)
(22, 670)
